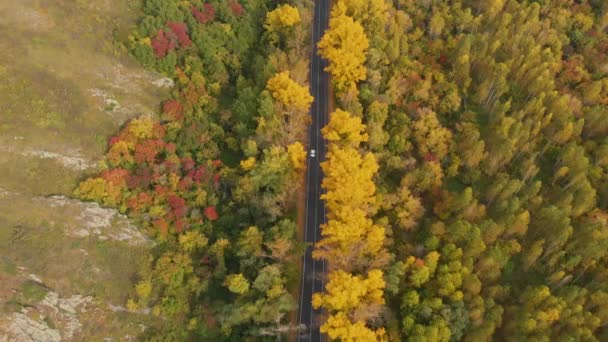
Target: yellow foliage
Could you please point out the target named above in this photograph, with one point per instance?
(340, 327)
(365, 10)
(342, 234)
(248, 163)
(120, 152)
(98, 189)
(430, 136)
(288, 92)
(141, 128)
(143, 290)
(275, 291)
(192, 240)
(410, 210)
(237, 283)
(348, 178)
(282, 16)
(132, 305)
(345, 292)
(201, 197)
(297, 155)
(173, 180)
(343, 127)
(345, 45)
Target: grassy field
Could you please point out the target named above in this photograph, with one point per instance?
(66, 267)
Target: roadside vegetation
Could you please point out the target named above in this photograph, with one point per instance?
(214, 178)
(483, 125)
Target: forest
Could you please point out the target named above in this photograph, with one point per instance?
(466, 180)
(214, 177)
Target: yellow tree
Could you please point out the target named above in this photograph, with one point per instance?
(344, 45)
(297, 155)
(346, 292)
(370, 13)
(288, 92)
(285, 121)
(351, 241)
(282, 17)
(352, 300)
(430, 136)
(344, 127)
(340, 327)
(348, 178)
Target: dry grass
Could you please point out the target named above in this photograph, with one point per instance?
(65, 88)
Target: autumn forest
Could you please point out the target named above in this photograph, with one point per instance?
(465, 180)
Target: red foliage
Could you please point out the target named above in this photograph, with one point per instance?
(161, 191)
(419, 262)
(171, 166)
(114, 140)
(187, 164)
(237, 8)
(211, 213)
(174, 109)
(443, 59)
(158, 131)
(436, 191)
(431, 157)
(138, 202)
(179, 224)
(181, 32)
(204, 16)
(163, 43)
(412, 107)
(178, 205)
(141, 178)
(117, 176)
(144, 198)
(216, 180)
(147, 150)
(185, 184)
(198, 174)
(170, 147)
(133, 204)
(133, 182)
(217, 163)
(162, 226)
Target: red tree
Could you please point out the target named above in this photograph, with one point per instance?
(198, 174)
(174, 109)
(181, 32)
(185, 184)
(178, 205)
(163, 43)
(147, 150)
(187, 164)
(179, 225)
(237, 8)
(211, 213)
(162, 226)
(117, 177)
(204, 16)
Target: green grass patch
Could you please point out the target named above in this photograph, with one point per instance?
(32, 292)
(6, 266)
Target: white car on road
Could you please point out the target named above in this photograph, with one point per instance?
(313, 153)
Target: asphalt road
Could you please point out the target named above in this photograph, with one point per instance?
(313, 271)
